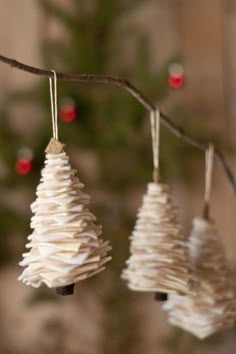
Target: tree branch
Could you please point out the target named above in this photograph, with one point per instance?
(125, 84)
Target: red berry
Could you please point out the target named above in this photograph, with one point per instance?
(23, 166)
(67, 113)
(176, 81)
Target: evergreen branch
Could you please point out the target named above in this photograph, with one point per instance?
(137, 94)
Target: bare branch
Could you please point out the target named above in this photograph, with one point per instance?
(137, 94)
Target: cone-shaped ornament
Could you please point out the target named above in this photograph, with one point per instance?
(212, 306)
(158, 260)
(65, 246)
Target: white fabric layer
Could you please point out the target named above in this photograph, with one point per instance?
(158, 260)
(212, 307)
(65, 246)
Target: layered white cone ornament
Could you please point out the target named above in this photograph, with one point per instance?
(158, 260)
(65, 246)
(212, 306)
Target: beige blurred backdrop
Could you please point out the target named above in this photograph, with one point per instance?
(204, 32)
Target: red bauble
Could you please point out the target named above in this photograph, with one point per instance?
(23, 166)
(176, 81)
(67, 113)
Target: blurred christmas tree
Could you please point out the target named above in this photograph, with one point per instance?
(97, 118)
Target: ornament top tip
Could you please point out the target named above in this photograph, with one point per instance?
(55, 147)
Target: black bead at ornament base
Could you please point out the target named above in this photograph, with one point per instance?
(65, 290)
(161, 296)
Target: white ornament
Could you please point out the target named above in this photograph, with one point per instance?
(212, 306)
(158, 260)
(65, 246)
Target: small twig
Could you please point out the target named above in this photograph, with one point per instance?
(125, 84)
(162, 297)
(65, 290)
